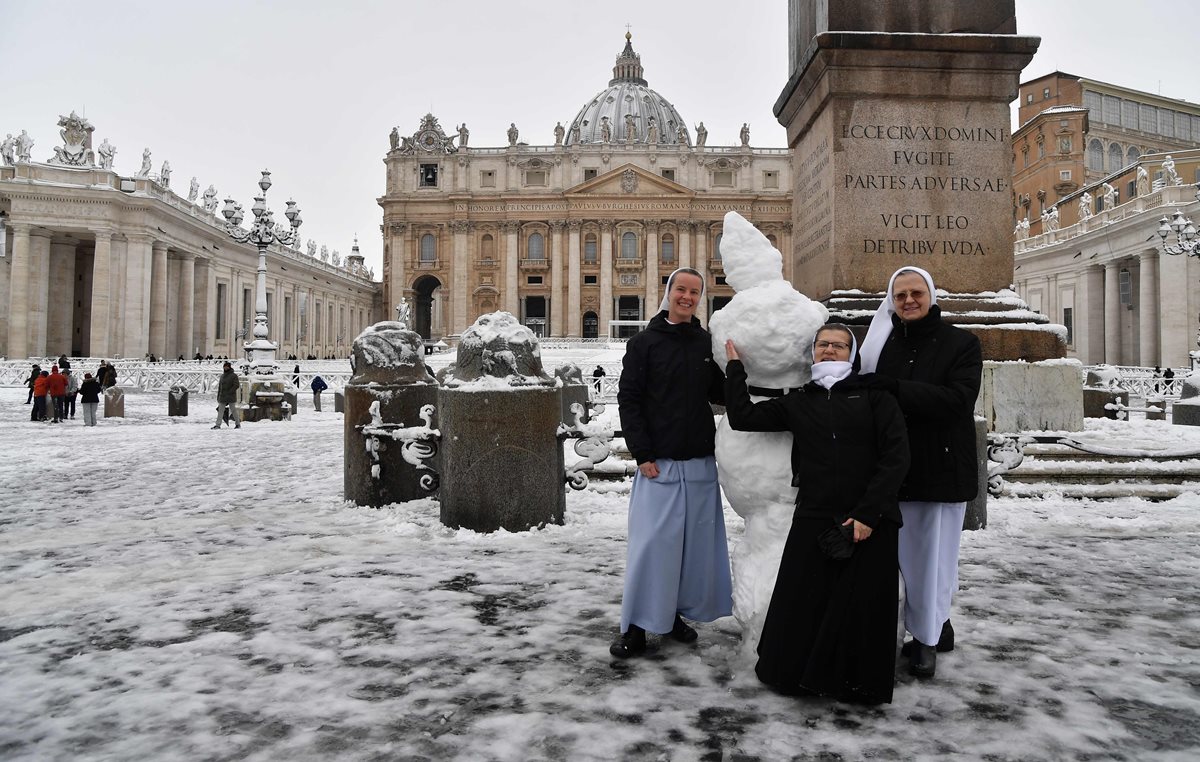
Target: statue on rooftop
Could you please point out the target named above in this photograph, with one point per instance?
(558, 134)
(324, 253)
(312, 248)
(8, 150)
(1143, 181)
(1168, 169)
(25, 147)
(701, 135)
(463, 135)
(210, 199)
(76, 150)
(652, 132)
(630, 129)
(1085, 206)
(681, 135)
(605, 130)
(1109, 194)
(513, 134)
(336, 258)
(144, 170)
(193, 190)
(107, 151)
(394, 138)
(745, 134)
(164, 175)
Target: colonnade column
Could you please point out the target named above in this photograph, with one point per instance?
(556, 277)
(39, 287)
(702, 253)
(459, 274)
(511, 280)
(187, 303)
(61, 317)
(18, 294)
(158, 299)
(651, 270)
(1112, 313)
(100, 342)
(606, 275)
(136, 314)
(1089, 324)
(573, 279)
(200, 312)
(1148, 307)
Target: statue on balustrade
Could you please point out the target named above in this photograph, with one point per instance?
(745, 134)
(210, 199)
(107, 151)
(25, 147)
(1109, 194)
(193, 190)
(144, 170)
(652, 132)
(312, 248)
(630, 129)
(76, 150)
(513, 134)
(1143, 181)
(605, 130)
(1169, 174)
(8, 150)
(463, 135)
(1085, 206)
(558, 134)
(701, 135)
(324, 253)
(164, 175)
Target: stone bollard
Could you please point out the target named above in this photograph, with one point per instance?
(114, 402)
(1159, 403)
(499, 414)
(976, 515)
(339, 402)
(1186, 410)
(1102, 388)
(290, 399)
(177, 401)
(574, 389)
(391, 446)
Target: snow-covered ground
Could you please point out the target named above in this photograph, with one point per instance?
(171, 592)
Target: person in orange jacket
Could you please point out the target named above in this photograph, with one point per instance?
(56, 389)
(39, 398)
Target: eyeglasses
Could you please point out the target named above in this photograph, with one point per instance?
(840, 346)
(903, 295)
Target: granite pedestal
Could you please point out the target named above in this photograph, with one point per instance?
(114, 402)
(177, 401)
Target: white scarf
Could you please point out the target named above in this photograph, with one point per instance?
(829, 372)
(881, 324)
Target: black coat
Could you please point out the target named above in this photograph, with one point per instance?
(667, 380)
(938, 369)
(849, 449)
(227, 388)
(89, 391)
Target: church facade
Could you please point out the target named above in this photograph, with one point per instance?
(576, 237)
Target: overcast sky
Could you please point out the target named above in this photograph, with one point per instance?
(224, 89)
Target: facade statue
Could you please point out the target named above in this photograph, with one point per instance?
(164, 175)
(1109, 194)
(1052, 219)
(1170, 176)
(312, 248)
(324, 253)
(1143, 181)
(403, 312)
(745, 134)
(558, 134)
(1085, 206)
(8, 150)
(394, 138)
(513, 134)
(335, 258)
(463, 135)
(701, 135)
(605, 130)
(574, 136)
(681, 135)
(210, 199)
(1021, 231)
(107, 151)
(193, 190)
(144, 170)
(25, 147)
(652, 132)
(76, 150)
(630, 129)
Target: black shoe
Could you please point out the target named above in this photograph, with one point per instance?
(922, 662)
(945, 641)
(631, 643)
(681, 632)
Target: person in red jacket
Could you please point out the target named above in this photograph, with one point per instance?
(39, 398)
(56, 389)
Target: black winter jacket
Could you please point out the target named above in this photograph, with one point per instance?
(667, 380)
(89, 391)
(227, 389)
(849, 449)
(938, 369)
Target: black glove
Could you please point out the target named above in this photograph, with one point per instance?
(877, 381)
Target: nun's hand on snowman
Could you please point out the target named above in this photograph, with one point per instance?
(731, 350)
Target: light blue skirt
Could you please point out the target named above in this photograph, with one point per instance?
(678, 559)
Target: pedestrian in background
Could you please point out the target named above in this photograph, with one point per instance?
(56, 390)
(39, 397)
(33, 377)
(227, 391)
(72, 392)
(89, 398)
(318, 386)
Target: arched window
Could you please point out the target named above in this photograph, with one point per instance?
(537, 246)
(428, 248)
(667, 249)
(629, 245)
(591, 325)
(717, 247)
(1133, 155)
(1095, 156)
(487, 247)
(1116, 157)
(589, 248)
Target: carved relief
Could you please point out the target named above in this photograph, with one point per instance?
(429, 138)
(629, 181)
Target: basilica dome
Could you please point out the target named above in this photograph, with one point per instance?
(628, 102)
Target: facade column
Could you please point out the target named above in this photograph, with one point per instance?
(701, 266)
(158, 299)
(18, 294)
(1089, 324)
(1112, 313)
(398, 250)
(556, 277)
(684, 228)
(61, 313)
(135, 319)
(606, 275)
(460, 277)
(650, 306)
(39, 288)
(204, 302)
(1148, 307)
(187, 304)
(511, 300)
(100, 340)
(573, 306)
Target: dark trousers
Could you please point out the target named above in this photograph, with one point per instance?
(39, 409)
(57, 410)
(69, 405)
(30, 397)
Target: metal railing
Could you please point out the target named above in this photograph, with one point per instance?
(1142, 382)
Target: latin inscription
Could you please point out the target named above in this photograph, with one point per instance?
(813, 200)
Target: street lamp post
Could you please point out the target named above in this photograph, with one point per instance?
(262, 233)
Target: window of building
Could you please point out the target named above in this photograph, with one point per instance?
(771, 179)
(722, 179)
(487, 178)
(1125, 284)
(1131, 189)
(317, 322)
(716, 251)
(1064, 175)
(1095, 156)
(590, 280)
(721, 282)
(222, 299)
(629, 245)
(429, 175)
(1045, 93)
(669, 174)
(1041, 148)
(535, 177)
(428, 248)
(589, 248)
(1129, 115)
(1147, 118)
(589, 174)
(1116, 157)
(1133, 155)
(1028, 98)
(1112, 109)
(1068, 319)
(591, 325)
(536, 246)
(1166, 122)
(1024, 156)
(487, 247)
(533, 280)
(1092, 102)
(665, 278)
(666, 248)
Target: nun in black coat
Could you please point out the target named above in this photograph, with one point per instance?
(831, 625)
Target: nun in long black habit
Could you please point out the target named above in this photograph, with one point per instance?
(831, 625)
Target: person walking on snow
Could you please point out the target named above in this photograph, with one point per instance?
(318, 386)
(227, 391)
(89, 398)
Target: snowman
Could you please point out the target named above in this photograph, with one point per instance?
(772, 325)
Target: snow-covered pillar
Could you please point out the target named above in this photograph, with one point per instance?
(18, 294)
(158, 299)
(511, 268)
(556, 277)
(651, 271)
(39, 290)
(606, 267)
(684, 257)
(702, 255)
(460, 293)
(1148, 306)
(1112, 313)
(187, 303)
(99, 342)
(573, 278)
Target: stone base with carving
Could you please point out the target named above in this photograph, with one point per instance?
(114, 402)
(1095, 402)
(1039, 396)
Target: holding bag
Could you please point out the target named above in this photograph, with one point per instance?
(837, 542)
